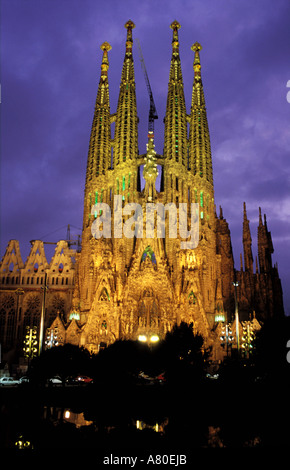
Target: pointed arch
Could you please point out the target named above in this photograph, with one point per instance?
(104, 295)
(150, 253)
(192, 300)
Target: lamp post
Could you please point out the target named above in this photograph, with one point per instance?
(247, 338)
(18, 292)
(52, 337)
(30, 343)
(41, 329)
(235, 283)
(226, 337)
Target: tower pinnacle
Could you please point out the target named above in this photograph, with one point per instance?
(175, 136)
(129, 43)
(105, 47)
(200, 160)
(126, 130)
(196, 47)
(247, 243)
(175, 26)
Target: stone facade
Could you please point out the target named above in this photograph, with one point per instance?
(22, 286)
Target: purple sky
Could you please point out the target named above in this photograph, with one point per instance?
(50, 68)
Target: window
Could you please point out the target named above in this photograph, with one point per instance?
(150, 253)
(201, 199)
(104, 296)
(192, 298)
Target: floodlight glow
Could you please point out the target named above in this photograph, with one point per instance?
(154, 339)
(142, 338)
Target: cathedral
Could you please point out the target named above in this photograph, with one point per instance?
(139, 287)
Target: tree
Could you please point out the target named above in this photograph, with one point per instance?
(63, 361)
(270, 350)
(120, 361)
(183, 353)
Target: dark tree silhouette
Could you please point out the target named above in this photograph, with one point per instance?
(63, 361)
(183, 354)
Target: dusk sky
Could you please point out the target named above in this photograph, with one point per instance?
(50, 69)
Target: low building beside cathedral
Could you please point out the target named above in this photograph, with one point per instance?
(139, 287)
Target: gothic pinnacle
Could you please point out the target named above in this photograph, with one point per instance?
(245, 211)
(105, 47)
(130, 25)
(129, 42)
(175, 26)
(196, 47)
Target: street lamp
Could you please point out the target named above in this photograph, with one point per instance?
(226, 336)
(30, 342)
(41, 329)
(235, 284)
(247, 338)
(18, 292)
(51, 337)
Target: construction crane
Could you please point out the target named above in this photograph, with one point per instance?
(152, 110)
(68, 239)
(73, 242)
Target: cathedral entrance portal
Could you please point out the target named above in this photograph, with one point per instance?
(148, 317)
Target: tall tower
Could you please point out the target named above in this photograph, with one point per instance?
(202, 192)
(96, 188)
(175, 133)
(99, 155)
(126, 130)
(247, 243)
(265, 246)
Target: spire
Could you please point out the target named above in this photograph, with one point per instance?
(99, 156)
(265, 246)
(126, 130)
(260, 217)
(241, 261)
(175, 135)
(257, 270)
(247, 243)
(200, 161)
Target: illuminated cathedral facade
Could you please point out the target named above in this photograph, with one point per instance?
(140, 287)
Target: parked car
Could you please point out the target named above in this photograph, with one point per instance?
(8, 381)
(23, 380)
(55, 380)
(84, 379)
